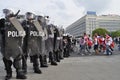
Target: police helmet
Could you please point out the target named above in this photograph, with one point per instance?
(30, 16)
(8, 12)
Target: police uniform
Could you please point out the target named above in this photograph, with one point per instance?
(56, 44)
(11, 47)
(47, 48)
(41, 44)
(49, 44)
(32, 42)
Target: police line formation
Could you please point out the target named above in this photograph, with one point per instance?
(33, 37)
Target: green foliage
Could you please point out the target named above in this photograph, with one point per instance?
(100, 31)
(115, 33)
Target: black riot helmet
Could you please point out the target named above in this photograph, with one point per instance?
(43, 19)
(30, 16)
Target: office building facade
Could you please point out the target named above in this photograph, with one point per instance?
(91, 21)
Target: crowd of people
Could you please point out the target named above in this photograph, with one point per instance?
(101, 44)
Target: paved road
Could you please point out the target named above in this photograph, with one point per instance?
(77, 68)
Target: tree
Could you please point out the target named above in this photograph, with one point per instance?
(115, 33)
(100, 31)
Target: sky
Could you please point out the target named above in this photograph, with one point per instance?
(62, 12)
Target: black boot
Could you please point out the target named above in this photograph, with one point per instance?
(36, 65)
(57, 56)
(20, 74)
(9, 75)
(8, 64)
(37, 70)
(65, 53)
(18, 66)
(24, 64)
(54, 63)
(51, 59)
(43, 61)
(61, 55)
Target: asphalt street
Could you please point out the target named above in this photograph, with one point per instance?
(76, 67)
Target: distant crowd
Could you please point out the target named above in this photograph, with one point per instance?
(101, 44)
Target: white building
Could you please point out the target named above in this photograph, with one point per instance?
(91, 21)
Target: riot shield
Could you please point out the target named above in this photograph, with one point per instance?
(52, 31)
(38, 27)
(16, 24)
(46, 34)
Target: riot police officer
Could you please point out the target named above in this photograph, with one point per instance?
(61, 48)
(12, 35)
(49, 41)
(41, 43)
(56, 44)
(31, 42)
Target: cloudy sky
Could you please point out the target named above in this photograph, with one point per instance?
(62, 12)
